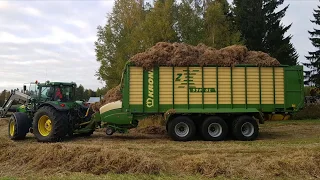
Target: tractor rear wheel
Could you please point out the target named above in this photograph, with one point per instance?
(19, 125)
(50, 125)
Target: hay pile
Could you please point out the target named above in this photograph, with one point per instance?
(160, 130)
(79, 158)
(180, 54)
(310, 111)
(112, 95)
(151, 125)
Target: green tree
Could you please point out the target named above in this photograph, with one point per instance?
(115, 44)
(101, 92)
(132, 27)
(250, 21)
(260, 25)
(158, 25)
(86, 94)
(3, 97)
(219, 31)
(89, 93)
(275, 42)
(190, 25)
(79, 92)
(313, 74)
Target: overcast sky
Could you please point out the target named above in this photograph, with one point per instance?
(54, 40)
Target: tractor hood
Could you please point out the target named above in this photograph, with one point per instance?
(111, 106)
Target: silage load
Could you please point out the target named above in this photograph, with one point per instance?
(160, 130)
(181, 54)
(112, 95)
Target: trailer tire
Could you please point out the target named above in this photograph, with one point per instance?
(19, 125)
(214, 129)
(245, 128)
(50, 125)
(181, 128)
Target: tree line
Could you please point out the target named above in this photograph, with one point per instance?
(313, 73)
(135, 25)
(84, 94)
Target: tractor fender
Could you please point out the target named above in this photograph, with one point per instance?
(55, 106)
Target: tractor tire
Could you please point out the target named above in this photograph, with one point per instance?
(245, 128)
(50, 125)
(181, 128)
(19, 125)
(214, 129)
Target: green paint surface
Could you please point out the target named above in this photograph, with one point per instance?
(294, 95)
(293, 92)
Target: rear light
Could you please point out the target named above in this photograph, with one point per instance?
(62, 105)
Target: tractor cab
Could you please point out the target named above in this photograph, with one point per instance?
(56, 91)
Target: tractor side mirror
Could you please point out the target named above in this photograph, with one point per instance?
(24, 88)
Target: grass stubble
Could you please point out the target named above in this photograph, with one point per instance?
(284, 150)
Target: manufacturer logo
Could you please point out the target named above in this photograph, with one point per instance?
(187, 78)
(150, 99)
(179, 75)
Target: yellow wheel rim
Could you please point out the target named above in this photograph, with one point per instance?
(44, 125)
(12, 127)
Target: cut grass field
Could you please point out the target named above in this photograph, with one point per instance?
(284, 150)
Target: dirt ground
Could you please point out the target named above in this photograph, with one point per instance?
(284, 150)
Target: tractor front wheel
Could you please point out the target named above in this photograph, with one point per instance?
(50, 125)
(19, 125)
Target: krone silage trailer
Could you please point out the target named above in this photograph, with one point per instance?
(212, 101)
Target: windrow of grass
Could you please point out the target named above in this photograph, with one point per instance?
(284, 150)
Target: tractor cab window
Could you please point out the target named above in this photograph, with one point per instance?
(63, 93)
(56, 93)
(46, 93)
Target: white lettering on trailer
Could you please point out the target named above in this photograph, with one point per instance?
(150, 100)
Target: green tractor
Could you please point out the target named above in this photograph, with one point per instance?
(51, 114)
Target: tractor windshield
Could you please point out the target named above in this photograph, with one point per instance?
(57, 93)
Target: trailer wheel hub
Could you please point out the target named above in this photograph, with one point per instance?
(181, 129)
(247, 129)
(44, 125)
(215, 129)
